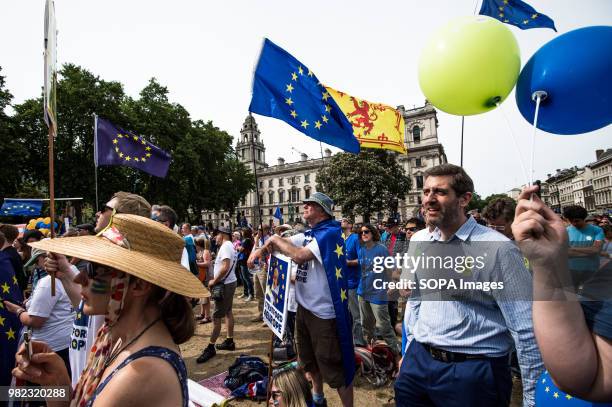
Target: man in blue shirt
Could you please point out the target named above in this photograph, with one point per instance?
(458, 349)
(585, 243)
(351, 242)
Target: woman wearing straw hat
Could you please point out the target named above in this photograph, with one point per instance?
(136, 280)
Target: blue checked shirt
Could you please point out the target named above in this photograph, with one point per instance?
(491, 326)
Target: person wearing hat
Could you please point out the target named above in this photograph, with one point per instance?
(323, 322)
(49, 317)
(135, 279)
(85, 327)
(224, 273)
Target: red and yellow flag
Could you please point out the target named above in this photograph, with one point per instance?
(374, 125)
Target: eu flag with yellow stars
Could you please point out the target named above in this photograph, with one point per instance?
(517, 13)
(21, 207)
(328, 235)
(286, 89)
(9, 323)
(115, 146)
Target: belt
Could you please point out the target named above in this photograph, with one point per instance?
(450, 357)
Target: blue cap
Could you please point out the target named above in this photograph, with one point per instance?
(324, 202)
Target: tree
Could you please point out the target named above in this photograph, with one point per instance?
(476, 202)
(364, 184)
(202, 175)
(10, 150)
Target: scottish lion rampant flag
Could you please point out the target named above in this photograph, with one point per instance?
(9, 323)
(115, 146)
(286, 89)
(516, 13)
(331, 245)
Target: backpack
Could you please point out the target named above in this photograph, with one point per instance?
(376, 363)
(245, 370)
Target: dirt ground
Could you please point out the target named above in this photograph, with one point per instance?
(253, 339)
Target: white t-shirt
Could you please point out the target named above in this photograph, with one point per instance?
(311, 286)
(58, 311)
(226, 251)
(84, 331)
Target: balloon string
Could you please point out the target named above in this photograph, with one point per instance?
(516, 145)
(533, 138)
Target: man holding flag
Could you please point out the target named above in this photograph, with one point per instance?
(323, 325)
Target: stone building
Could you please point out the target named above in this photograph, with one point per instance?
(284, 185)
(602, 180)
(589, 186)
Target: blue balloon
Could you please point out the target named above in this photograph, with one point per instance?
(574, 70)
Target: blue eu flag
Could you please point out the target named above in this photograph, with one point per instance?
(286, 89)
(328, 235)
(517, 13)
(277, 214)
(10, 327)
(115, 146)
(20, 207)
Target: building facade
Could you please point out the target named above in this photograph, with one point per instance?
(602, 180)
(589, 186)
(285, 185)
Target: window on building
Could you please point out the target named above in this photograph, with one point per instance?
(271, 197)
(280, 182)
(295, 195)
(281, 210)
(260, 184)
(270, 183)
(259, 155)
(281, 196)
(419, 181)
(242, 153)
(306, 178)
(270, 211)
(416, 134)
(306, 193)
(261, 198)
(417, 162)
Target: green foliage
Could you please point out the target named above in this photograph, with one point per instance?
(478, 203)
(204, 173)
(364, 184)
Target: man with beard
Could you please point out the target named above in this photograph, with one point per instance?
(458, 350)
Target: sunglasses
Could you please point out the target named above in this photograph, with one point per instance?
(365, 232)
(158, 219)
(413, 229)
(92, 270)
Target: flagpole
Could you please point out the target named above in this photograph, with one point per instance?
(96, 157)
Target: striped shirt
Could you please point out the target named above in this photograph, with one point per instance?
(487, 324)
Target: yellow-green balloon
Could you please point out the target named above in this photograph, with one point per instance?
(469, 64)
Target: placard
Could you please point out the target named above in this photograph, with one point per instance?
(277, 288)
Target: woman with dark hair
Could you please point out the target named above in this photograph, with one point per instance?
(372, 300)
(136, 280)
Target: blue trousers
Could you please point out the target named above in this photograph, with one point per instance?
(425, 381)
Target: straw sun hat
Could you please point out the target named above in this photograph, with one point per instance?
(138, 246)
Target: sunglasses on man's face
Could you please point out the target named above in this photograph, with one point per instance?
(412, 229)
(365, 232)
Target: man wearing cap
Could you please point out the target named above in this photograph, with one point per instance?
(323, 325)
(224, 273)
(85, 328)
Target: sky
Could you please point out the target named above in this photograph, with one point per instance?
(205, 53)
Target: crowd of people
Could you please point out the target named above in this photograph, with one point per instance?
(127, 286)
